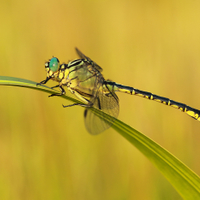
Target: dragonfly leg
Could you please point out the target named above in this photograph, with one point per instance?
(87, 104)
(55, 86)
(78, 104)
(58, 94)
(44, 81)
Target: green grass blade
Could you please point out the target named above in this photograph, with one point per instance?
(13, 81)
(184, 180)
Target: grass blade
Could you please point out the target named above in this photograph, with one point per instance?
(184, 180)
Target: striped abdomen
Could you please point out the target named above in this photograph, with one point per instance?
(130, 90)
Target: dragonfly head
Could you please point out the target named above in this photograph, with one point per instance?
(52, 67)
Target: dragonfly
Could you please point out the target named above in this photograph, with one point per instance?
(83, 78)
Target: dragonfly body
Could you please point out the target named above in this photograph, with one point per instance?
(83, 78)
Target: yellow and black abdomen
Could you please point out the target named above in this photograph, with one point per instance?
(130, 90)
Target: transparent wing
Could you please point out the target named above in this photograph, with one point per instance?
(108, 102)
(81, 55)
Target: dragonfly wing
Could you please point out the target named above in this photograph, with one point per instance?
(81, 55)
(109, 104)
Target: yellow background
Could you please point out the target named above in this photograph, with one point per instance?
(45, 151)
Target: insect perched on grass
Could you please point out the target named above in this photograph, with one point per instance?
(83, 78)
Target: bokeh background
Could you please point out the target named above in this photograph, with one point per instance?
(45, 151)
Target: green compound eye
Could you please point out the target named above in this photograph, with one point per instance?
(54, 64)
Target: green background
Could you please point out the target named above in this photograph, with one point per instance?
(45, 151)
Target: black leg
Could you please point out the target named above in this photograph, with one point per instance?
(44, 81)
(55, 86)
(58, 94)
(79, 104)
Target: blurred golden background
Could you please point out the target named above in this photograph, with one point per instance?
(45, 151)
